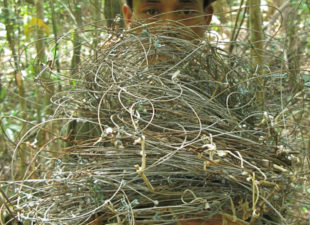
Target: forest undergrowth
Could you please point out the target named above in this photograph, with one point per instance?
(47, 81)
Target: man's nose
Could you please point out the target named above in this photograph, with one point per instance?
(169, 16)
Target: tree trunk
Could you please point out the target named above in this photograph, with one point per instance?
(11, 40)
(41, 58)
(76, 57)
(256, 35)
(98, 23)
(294, 51)
(257, 45)
(112, 8)
(18, 78)
(55, 31)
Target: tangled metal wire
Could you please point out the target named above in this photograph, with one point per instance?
(162, 130)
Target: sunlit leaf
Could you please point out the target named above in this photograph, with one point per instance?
(9, 134)
(14, 127)
(13, 113)
(36, 23)
(73, 83)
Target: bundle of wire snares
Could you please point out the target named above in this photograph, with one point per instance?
(161, 130)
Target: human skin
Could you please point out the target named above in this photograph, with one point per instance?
(190, 13)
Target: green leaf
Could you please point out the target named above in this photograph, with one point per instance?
(306, 78)
(14, 113)
(10, 134)
(308, 190)
(14, 127)
(73, 83)
(55, 78)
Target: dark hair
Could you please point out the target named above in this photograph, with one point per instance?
(205, 3)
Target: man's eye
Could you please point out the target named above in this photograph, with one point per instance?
(187, 12)
(151, 12)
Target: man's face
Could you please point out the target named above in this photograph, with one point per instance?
(190, 13)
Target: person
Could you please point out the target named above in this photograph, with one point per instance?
(193, 14)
